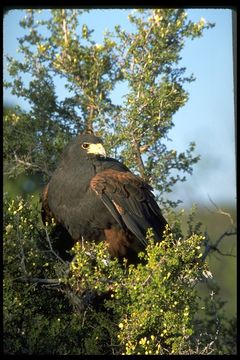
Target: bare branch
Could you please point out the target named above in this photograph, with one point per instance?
(226, 233)
(49, 282)
(25, 163)
(12, 167)
(89, 126)
(64, 27)
(214, 247)
(140, 163)
(220, 211)
(225, 254)
(22, 254)
(51, 248)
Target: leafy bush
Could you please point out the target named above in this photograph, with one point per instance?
(95, 304)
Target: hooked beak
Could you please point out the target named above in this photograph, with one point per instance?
(96, 149)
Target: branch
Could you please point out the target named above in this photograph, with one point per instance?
(225, 254)
(214, 247)
(140, 163)
(36, 281)
(25, 165)
(64, 26)
(22, 254)
(220, 211)
(89, 126)
(51, 248)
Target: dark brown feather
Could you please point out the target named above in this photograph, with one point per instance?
(46, 212)
(97, 198)
(130, 197)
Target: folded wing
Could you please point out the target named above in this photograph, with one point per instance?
(130, 201)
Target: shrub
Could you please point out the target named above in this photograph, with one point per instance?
(95, 304)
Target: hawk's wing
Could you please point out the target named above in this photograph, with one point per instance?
(130, 201)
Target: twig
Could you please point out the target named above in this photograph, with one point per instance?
(147, 280)
(51, 248)
(25, 163)
(22, 254)
(64, 26)
(49, 282)
(139, 158)
(226, 233)
(214, 247)
(225, 254)
(89, 126)
(220, 211)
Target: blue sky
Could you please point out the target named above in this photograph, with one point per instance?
(208, 116)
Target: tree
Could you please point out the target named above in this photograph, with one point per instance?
(146, 59)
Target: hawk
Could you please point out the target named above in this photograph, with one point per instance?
(97, 198)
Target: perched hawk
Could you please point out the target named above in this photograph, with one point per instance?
(97, 198)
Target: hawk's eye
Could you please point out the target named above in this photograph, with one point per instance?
(85, 145)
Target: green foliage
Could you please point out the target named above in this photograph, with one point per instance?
(61, 46)
(97, 305)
